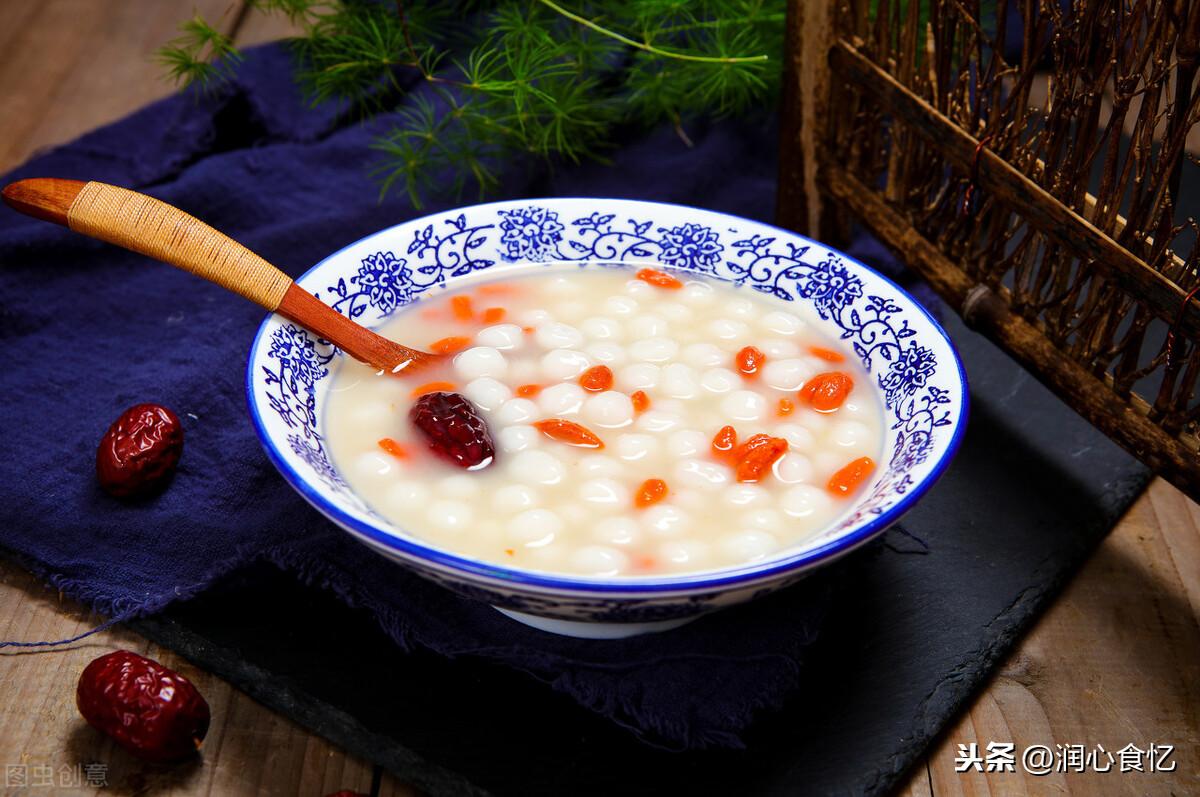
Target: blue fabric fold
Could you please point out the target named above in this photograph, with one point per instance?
(90, 329)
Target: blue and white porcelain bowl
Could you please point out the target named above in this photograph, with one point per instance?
(912, 361)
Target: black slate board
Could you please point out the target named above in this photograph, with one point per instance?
(914, 631)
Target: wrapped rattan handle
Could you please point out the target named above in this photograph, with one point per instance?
(153, 228)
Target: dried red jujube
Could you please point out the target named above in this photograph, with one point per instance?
(139, 451)
(453, 429)
(151, 711)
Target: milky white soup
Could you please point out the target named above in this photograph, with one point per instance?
(653, 483)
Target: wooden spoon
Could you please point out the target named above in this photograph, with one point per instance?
(153, 228)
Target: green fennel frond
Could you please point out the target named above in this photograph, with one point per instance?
(471, 84)
(200, 55)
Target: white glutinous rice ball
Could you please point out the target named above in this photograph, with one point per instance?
(697, 294)
(849, 434)
(620, 530)
(480, 361)
(373, 463)
(638, 376)
(601, 328)
(701, 474)
(790, 374)
(605, 494)
(538, 467)
(685, 554)
(504, 337)
(851, 408)
(779, 349)
(621, 306)
(687, 443)
(550, 557)
(608, 353)
(741, 308)
(404, 496)
(639, 289)
(561, 399)
(534, 528)
(600, 465)
(664, 520)
(653, 350)
(524, 372)
(610, 409)
(571, 310)
(598, 560)
(750, 545)
(633, 447)
(798, 437)
(793, 468)
(704, 355)
(719, 380)
(371, 414)
(690, 499)
(517, 410)
(487, 392)
(450, 515)
(803, 500)
(673, 405)
(781, 323)
(513, 498)
(564, 363)
(728, 329)
(674, 312)
(647, 326)
(744, 405)
(558, 336)
(561, 285)
(829, 462)
(679, 381)
(460, 485)
(659, 421)
(743, 495)
(512, 439)
(535, 317)
(763, 518)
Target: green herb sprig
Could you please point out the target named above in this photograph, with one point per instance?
(474, 84)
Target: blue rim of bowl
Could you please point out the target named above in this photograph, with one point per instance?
(684, 583)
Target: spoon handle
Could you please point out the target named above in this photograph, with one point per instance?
(153, 228)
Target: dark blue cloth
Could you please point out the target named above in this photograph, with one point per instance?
(90, 329)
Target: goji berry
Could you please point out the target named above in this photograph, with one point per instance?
(659, 279)
(826, 392)
(844, 482)
(724, 442)
(569, 432)
(650, 492)
(749, 361)
(597, 378)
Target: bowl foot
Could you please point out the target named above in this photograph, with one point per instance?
(589, 630)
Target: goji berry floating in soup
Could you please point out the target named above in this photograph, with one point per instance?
(610, 422)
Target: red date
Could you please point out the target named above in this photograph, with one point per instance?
(151, 711)
(139, 451)
(454, 429)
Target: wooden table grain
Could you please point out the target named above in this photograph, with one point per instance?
(1115, 661)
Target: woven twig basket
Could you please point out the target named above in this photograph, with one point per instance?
(1026, 160)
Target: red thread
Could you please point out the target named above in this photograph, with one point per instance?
(970, 192)
(1178, 320)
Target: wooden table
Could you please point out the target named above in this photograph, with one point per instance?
(1116, 660)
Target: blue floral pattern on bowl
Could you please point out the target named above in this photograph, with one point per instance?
(899, 344)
